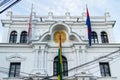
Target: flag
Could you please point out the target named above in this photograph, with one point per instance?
(88, 23)
(29, 25)
(60, 59)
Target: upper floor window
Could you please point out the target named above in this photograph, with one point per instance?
(23, 37)
(13, 37)
(104, 37)
(104, 69)
(64, 66)
(14, 69)
(94, 38)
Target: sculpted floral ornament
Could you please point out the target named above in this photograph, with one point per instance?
(57, 36)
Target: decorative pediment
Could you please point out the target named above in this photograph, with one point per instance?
(15, 58)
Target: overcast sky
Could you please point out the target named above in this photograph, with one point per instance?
(75, 7)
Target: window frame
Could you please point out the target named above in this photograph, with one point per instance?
(94, 38)
(64, 66)
(104, 37)
(13, 37)
(23, 37)
(104, 69)
(14, 67)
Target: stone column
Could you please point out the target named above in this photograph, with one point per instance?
(18, 37)
(77, 54)
(99, 37)
(78, 58)
(6, 36)
(36, 58)
(83, 54)
(39, 60)
(42, 57)
(45, 59)
(37, 63)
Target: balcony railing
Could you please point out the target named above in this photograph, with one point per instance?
(107, 78)
(69, 78)
(14, 78)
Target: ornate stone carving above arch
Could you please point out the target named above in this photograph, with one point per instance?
(73, 38)
(60, 26)
(46, 38)
(15, 58)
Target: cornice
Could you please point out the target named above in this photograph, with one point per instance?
(12, 45)
(105, 45)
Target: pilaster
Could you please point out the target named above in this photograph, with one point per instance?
(99, 37)
(77, 49)
(6, 33)
(39, 60)
(83, 54)
(18, 36)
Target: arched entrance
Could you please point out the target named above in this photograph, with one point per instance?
(64, 66)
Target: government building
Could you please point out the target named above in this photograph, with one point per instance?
(36, 58)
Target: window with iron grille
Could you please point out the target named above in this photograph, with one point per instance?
(23, 37)
(64, 66)
(94, 38)
(14, 69)
(104, 69)
(104, 37)
(13, 37)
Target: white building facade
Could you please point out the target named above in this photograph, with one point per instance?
(37, 58)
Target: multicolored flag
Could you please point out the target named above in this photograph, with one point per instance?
(88, 23)
(60, 59)
(29, 25)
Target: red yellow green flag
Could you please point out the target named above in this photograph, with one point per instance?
(60, 60)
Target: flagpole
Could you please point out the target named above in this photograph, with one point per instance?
(60, 59)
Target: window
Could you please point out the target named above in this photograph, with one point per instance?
(94, 37)
(104, 69)
(23, 37)
(14, 69)
(104, 37)
(64, 66)
(13, 37)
